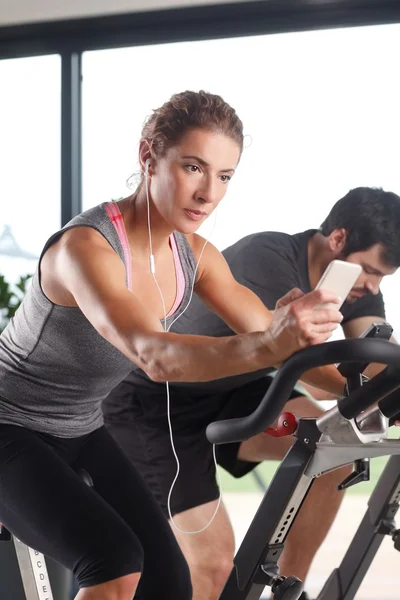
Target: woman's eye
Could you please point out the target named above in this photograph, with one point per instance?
(193, 168)
(225, 178)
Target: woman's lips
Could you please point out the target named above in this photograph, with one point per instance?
(195, 215)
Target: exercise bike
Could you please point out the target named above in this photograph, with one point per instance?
(352, 432)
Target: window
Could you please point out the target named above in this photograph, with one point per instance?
(30, 160)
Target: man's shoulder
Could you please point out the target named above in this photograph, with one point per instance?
(283, 244)
(269, 238)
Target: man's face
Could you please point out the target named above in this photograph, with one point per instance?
(374, 269)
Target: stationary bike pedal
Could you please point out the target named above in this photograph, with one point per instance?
(361, 473)
(287, 588)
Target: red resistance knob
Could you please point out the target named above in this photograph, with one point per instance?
(287, 424)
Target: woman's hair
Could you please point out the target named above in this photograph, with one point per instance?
(189, 110)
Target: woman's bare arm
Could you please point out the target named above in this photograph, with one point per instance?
(95, 276)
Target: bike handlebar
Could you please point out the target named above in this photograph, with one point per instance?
(270, 407)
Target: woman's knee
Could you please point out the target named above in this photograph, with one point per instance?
(110, 559)
(122, 588)
(170, 580)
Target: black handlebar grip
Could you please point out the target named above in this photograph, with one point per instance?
(356, 350)
(373, 391)
(390, 404)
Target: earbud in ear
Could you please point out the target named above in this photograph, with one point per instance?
(146, 166)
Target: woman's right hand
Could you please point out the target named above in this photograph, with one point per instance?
(296, 324)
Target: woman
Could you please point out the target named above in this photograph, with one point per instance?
(92, 314)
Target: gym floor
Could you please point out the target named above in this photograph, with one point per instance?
(382, 580)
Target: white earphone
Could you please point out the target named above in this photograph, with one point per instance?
(153, 272)
(152, 263)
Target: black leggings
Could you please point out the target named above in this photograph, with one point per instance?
(100, 533)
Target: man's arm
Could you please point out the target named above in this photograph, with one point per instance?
(351, 329)
(324, 383)
(320, 394)
(354, 328)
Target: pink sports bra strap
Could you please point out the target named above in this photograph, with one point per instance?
(117, 220)
(180, 276)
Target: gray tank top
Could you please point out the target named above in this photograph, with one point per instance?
(55, 368)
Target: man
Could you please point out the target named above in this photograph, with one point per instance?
(362, 228)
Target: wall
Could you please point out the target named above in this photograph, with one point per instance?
(28, 11)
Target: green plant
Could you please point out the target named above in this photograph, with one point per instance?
(11, 296)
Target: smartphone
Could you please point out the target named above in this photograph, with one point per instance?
(339, 277)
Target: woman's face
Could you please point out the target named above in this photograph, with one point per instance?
(189, 182)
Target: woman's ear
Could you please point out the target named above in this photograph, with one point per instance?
(145, 156)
